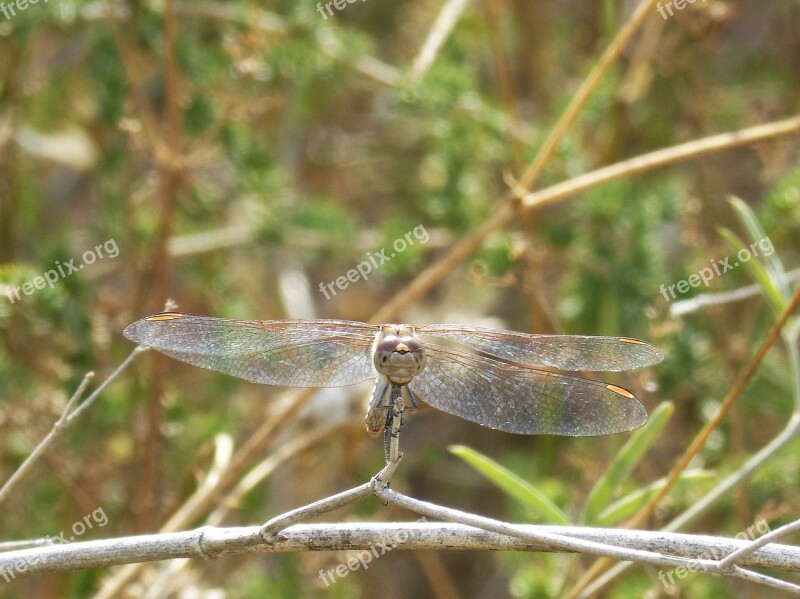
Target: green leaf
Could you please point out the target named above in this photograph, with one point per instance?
(512, 485)
(625, 461)
(631, 503)
(771, 261)
(758, 272)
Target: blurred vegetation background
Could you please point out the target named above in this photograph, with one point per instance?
(239, 154)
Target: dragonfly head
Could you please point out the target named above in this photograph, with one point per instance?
(398, 354)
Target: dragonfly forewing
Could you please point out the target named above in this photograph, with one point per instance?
(323, 353)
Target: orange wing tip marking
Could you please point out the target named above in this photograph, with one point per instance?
(631, 341)
(165, 316)
(621, 391)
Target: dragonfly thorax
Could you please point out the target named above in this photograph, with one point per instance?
(398, 354)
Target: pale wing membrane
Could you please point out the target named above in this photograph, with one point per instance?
(565, 352)
(523, 400)
(310, 353)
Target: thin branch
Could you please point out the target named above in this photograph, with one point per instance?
(789, 433)
(276, 25)
(237, 235)
(68, 416)
(660, 158)
(438, 34)
(133, 70)
(599, 573)
(504, 215)
(705, 300)
(13, 545)
(205, 497)
(270, 530)
(432, 275)
(328, 44)
(264, 20)
(380, 487)
(369, 66)
(563, 543)
(585, 91)
(736, 391)
(756, 544)
(505, 80)
(299, 444)
(209, 542)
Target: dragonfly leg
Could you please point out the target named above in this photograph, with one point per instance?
(379, 403)
(413, 405)
(375, 419)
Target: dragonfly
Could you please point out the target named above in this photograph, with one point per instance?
(500, 379)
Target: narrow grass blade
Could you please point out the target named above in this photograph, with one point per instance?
(512, 485)
(625, 461)
(767, 256)
(757, 271)
(631, 503)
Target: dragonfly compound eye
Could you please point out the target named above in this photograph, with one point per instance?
(383, 350)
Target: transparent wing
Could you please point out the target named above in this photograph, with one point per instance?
(565, 352)
(524, 400)
(291, 353)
